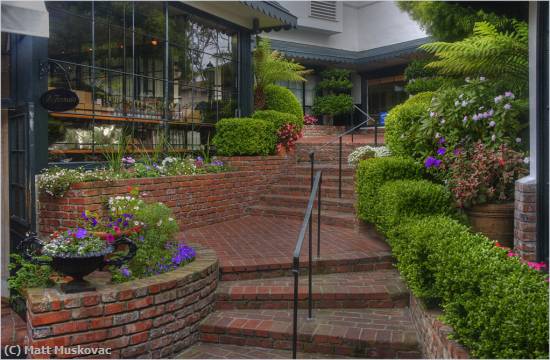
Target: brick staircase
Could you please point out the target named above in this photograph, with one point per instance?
(288, 197)
(360, 302)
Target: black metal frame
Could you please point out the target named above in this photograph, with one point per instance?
(316, 183)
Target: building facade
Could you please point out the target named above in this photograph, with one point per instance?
(373, 39)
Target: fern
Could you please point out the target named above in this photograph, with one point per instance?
(499, 55)
(270, 67)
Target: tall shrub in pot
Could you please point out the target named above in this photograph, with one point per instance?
(335, 95)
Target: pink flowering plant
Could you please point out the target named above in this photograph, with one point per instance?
(310, 119)
(287, 136)
(484, 174)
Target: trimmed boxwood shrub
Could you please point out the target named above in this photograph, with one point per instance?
(403, 125)
(373, 173)
(279, 118)
(497, 306)
(244, 136)
(281, 99)
(400, 199)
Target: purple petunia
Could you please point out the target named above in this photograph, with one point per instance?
(507, 107)
(432, 162)
(441, 151)
(81, 233)
(126, 272)
(441, 140)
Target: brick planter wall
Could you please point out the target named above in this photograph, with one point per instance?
(155, 317)
(433, 333)
(322, 130)
(525, 218)
(195, 200)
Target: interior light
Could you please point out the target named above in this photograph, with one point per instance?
(154, 42)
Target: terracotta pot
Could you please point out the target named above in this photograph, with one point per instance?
(496, 221)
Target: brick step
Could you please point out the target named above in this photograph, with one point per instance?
(367, 333)
(344, 262)
(328, 217)
(228, 351)
(373, 289)
(348, 192)
(306, 180)
(328, 169)
(342, 205)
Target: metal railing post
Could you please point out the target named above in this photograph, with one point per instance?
(319, 217)
(375, 132)
(340, 170)
(310, 270)
(295, 271)
(312, 161)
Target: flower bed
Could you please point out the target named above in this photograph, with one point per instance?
(155, 317)
(195, 200)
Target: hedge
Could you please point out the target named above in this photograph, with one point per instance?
(400, 199)
(244, 136)
(373, 173)
(279, 118)
(497, 306)
(281, 99)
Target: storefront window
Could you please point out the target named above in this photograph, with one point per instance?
(385, 93)
(136, 80)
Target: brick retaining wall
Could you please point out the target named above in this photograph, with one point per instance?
(525, 218)
(196, 200)
(155, 317)
(433, 334)
(322, 130)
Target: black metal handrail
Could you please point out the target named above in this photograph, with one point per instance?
(339, 138)
(307, 223)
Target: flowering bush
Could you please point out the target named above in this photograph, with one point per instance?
(476, 111)
(287, 136)
(310, 119)
(55, 181)
(484, 174)
(365, 152)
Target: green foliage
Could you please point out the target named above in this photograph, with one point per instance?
(497, 306)
(373, 173)
(28, 275)
(270, 67)
(279, 118)
(335, 81)
(281, 99)
(417, 69)
(403, 124)
(245, 136)
(333, 104)
(417, 86)
(498, 55)
(401, 199)
(447, 21)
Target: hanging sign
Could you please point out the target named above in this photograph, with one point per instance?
(59, 100)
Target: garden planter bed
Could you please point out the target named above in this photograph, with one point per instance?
(433, 334)
(155, 317)
(196, 200)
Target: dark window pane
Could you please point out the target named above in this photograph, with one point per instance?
(70, 38)
(149, 18)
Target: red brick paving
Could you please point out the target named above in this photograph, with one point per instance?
(227, 351)
(374, 289)
(256, 243)
(14, 328)
(379, 333)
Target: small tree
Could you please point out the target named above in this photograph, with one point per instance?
(335, 99)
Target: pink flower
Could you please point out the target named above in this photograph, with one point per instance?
(110, 238)
(536, 265)
(512, 254)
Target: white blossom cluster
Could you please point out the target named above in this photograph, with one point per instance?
(366, 151)
(118, 204)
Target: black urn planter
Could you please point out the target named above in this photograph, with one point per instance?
(78, 266)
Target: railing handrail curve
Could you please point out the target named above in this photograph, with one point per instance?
(307, 215)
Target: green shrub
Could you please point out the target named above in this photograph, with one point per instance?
(497, 306)
(417, 86)
(373, 173)
(279, 118)
(403, 125)
(333, 104)
(244, 136)
(400, 199)
(281, 99)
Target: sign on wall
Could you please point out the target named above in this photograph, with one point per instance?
(59, 99)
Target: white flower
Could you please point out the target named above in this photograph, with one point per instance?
(442, 121)
(432, 114)
(492, 124)
(464, 103)
(159, 223)
(465, 119)
(170, 219)
(518, 140)
(457, 103)
(136, 207)
(526, 160)
(437, 135)
(361, 153)
(482, 78)
(493, 137)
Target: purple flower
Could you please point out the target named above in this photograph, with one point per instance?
(456, 152)
(441, 151)
(431, 162)
(126, 272)
(441, 140)
(498, 99)
(84, 216)
(491, 112)
(94, 222)
(128, 160)
(475, 117)
(509, 94)
(507, 107)
(465, 119)
(81, 233)
(492, 124)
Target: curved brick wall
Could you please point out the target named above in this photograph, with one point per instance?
(155, 317)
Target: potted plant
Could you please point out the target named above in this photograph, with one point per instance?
(335, 99)
(76, 253)
(482, 181)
